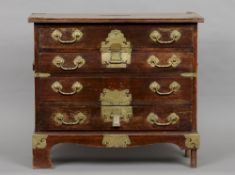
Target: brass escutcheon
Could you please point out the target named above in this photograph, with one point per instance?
(115, 97)
(115, 106)
(115, 50)
(116, 114)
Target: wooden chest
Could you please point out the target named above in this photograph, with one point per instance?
(115, 81)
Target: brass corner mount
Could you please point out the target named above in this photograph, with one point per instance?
(39, 141)
(192, 141)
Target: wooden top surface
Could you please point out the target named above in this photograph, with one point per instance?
(188, 17)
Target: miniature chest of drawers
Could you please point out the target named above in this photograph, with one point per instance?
(115, 81)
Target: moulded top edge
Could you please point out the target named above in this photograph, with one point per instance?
(188, 17)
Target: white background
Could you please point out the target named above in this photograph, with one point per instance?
(216, 104)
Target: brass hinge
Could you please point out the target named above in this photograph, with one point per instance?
(41, 75)
(189, 74)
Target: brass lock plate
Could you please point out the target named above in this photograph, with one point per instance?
(115, 106)
(116, 114)
(115, 50)
(115, 97)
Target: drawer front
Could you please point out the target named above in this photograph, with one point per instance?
(90, 36)
(69, 118)
(141, 90)
(148, 62)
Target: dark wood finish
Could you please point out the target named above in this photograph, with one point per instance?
(41, 157)
(188, 17)
(93, 64)
(94, 35)
(187, 153)
(95, 77)
(193, 158)
(46, 114)
(138, 86)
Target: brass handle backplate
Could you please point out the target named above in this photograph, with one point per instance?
(155, 87)
(57, 87)
(76, 35)
(78, 62)
(173, 61)
(115, 50)
(156, 37)
(78, 119)
(172, 119)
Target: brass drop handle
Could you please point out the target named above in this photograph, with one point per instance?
(172, 119)
(78, 119)
(155, 87)
(57, 87)
(76, 36)
(156, 37)
(173, 61)
(78, 62)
